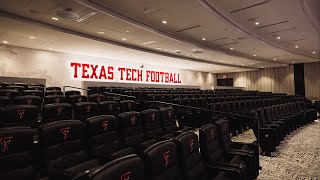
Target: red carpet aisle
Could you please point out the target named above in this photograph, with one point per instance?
(298, 156)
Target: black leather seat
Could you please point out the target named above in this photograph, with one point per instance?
(16, 115)
(28, 100)
(169, 121)
(73, 99)
(103, 138)
(33, 93)
(9, 93)
(192, 166)
(56, 112)
(97, 98)
(109, 108)
(62, 150)
(129, 167)
(55, 99)
(127, 105)
(53, 92)
(71, 93)
(16, 155)
(161, 161)
(5, 101)
(84, 110)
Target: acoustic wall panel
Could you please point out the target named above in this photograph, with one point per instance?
(312, 80)
(276, 80)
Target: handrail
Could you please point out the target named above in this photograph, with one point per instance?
(121, 95)
(201, 109)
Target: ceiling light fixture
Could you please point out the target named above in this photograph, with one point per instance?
(203, 39)
(278, 37)
(6, 42)
(242, 64)
(127, 31)
(262, 67)
(86, 17)
(150, 42)
(254, 54)
(231, 48)
(274, 59)
(54, 18)
(158, 48)
(166, 49)
(164, 22)
(257, 23)
(313, 52)
(293, 62)
(124, 39)
(50, 48)
(100, 32)
(32, 37)
(296, 47)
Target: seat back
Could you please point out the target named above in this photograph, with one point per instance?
(129, 167)
(189, 156)
(16, 115)
(56, 112)
(16, 153)
(51, 99)
(33, 93)
(151, 123)
(53, 88)
(5, 101)
(71, 93)
(127, 105)
(28, 100)
(61, 145)
(161, 161)
(9, 93)
(109, 108)
(102, 135)
(209, 145)
(73, 99)
(131, 128)
(168, 119)
(53, 92)
(84, 110)
(223, 132)
(97, 98)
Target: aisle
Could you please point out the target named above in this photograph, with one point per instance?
(298, 156)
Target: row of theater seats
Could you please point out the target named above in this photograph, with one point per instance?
(13, 115)
(277, 121)
(71, 149)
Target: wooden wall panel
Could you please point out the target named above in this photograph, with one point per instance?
(277, 80)
(312, 80)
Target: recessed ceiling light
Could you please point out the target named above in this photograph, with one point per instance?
(100, 32)
(6, 42)
(31, 37)
(231, 48)
(238, 70)
(164, 22)
(196, 56)
(313, 52)
(296, 46)
(158, 48)
(50, 48)
(274, 59)
(124, 39)
(54, 18)
(254, 54)
(166, 49)
(293, 62)
(220, 61)
(257, 23)
(242, 64)
(278, 37)
(203, 39)
(127, 31)
(262, 67)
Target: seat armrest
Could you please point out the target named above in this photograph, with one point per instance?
(235, 172)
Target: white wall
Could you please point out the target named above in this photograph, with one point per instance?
(55, 67)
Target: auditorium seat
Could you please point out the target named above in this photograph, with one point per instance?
(169, 121)
(109, 108)
(33, 93)
(53, 88)
(84, 110)
(161, 161)
(53, 92)
(213, 154)
(51, 99)
(5, 101)
(193, 168)
(9, 93)
(152, 125)
(103, 138)
(131, 129)
(28, 100)
(71, 93)
(250, 149)
(16, 155)
(129, 167)
(16, 115)
(56, 112)
(97, 98)
(73, 99)
(127, 105)
(62, 150)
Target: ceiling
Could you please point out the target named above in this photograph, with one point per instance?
(222, 32)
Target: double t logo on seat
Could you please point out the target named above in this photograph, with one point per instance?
(166, 157)
(65, 132)
(5, 142)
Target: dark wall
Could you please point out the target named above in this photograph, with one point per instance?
(299, 84)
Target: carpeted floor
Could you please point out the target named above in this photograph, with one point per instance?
(297, 158)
